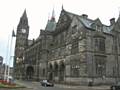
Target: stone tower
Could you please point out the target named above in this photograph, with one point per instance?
(21, 40)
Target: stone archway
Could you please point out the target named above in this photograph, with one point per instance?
(50, 72)
(50, 76)
(61, 71)
(29, 72)
(55, 69)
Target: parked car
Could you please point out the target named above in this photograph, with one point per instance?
(115, 86)
(46, 83)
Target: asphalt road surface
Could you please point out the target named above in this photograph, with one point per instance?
(37, 86)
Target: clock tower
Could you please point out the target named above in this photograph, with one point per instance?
(21, 39)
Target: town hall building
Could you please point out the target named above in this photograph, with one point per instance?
(74, 49)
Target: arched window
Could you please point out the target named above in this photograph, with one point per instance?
(61, 71)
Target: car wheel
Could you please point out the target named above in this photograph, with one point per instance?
(113, 88)
(45, 85)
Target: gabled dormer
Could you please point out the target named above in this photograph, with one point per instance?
(97, 25)
(63, 22)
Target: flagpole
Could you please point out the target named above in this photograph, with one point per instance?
(7, 50)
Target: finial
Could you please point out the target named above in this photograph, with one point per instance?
(62, 7)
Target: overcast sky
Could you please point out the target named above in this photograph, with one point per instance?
(38, 12)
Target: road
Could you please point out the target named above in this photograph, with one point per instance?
(37, 86)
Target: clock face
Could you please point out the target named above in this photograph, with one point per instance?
(23, 30)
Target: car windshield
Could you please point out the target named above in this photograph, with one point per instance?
(44, 80)
(118, 83)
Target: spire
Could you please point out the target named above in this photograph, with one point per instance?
(23, 19)
(53, 15)
(51, 24)
(62, 7)
(24, 14)
(119, 11)
(48, 16)
(13, 33)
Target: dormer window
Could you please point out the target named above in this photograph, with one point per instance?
(98, 28)
(97, 25)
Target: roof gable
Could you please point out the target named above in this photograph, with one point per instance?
(76, 22)
(63, 22)
(86, 22)
(97, 21)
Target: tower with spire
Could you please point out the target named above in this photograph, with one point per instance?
(21, 39)
(51, 24)
(23, 23)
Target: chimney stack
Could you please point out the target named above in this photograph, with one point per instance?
(112, 21)
(85, 16)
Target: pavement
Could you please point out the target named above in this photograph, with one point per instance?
(102, 87)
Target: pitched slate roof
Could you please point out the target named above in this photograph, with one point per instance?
(88, 22)
(51, 25)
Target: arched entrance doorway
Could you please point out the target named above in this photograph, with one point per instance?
(50, 74)
(61, 71)
(29, 72)
(55, 69)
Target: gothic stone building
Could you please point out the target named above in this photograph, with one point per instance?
(74, 50)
